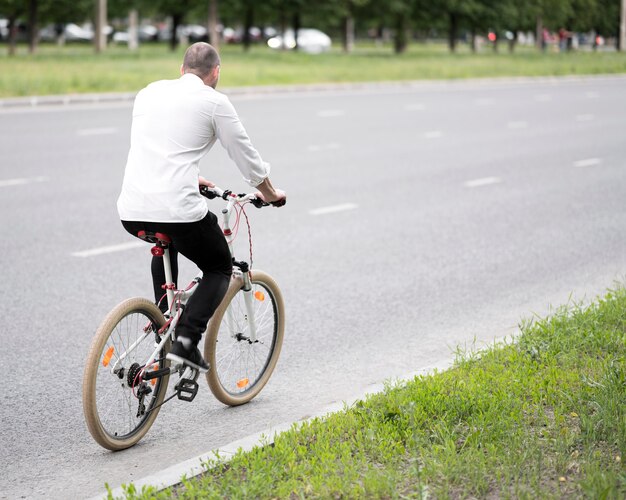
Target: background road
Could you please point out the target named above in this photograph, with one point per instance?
(419, 218)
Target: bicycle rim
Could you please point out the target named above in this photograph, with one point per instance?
(116, 414)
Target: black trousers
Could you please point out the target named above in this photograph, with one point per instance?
(203, 243)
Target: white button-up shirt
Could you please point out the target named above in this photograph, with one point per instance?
(175, 123)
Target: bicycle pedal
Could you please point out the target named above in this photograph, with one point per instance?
(186, 389)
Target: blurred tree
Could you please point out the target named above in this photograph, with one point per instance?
(13, 10)
(33, 26)
(606, 19)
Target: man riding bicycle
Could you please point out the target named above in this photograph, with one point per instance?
(175, 124)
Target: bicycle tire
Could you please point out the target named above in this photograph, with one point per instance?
(99, 382)
(219, 341)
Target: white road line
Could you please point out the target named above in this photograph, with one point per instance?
(592, 95)
(323, 147)
(517, 125)
(433, 134)
(589, 162)
(484, 101)
(21, 181)
(584, 118)
(485, 181)
(415, 107)
(330, 113)
(109, 249)
(96, 131)
(335, 208)
(543, 97)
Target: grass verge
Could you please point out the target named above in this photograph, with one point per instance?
(544, 417)
(75, 68)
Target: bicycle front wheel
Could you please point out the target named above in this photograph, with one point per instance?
(240, 368)
(119, 406)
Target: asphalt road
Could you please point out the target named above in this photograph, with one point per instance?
(419, 218)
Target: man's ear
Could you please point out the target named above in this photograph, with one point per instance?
(182, 70)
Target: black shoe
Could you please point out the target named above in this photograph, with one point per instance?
(191, 357)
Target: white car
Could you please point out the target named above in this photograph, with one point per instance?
(309, 40)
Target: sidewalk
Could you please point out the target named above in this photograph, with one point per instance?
(102, 98)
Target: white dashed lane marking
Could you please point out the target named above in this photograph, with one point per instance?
(415, 107)
(96, 131)
(543, 98)
(517, 125)
(433, 134)
(485, 181)
(21, 181)
(589, 162)
(331, 113)
(109, 249)
(483, 101)
(323, 147)
(584, 118)
(333, 209)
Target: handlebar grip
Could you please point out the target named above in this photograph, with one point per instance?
(279, 203)
(206, 191)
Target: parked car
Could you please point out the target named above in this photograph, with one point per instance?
(146, 33)
(4, 29)
(309, 40)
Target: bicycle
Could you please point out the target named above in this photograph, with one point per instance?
(127, 374)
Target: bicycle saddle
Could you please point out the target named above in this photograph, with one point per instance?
(155, 238)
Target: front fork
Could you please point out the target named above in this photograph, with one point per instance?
(242, 273)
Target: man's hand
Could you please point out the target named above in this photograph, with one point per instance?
(203, 182)
(278, 198)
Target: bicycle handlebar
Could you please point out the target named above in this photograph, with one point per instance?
(216, 192)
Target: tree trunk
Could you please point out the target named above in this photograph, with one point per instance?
(473, 40)
(248, 22)
(297, 24)
(177, 19)
(283, 28)
(621, 39)
(100, 40)
(452, 36)
(348, 34)
(33, 28)
(539, 34)
(400, 42)
(214, 36)
(12, 35)
(348, 28)
(133, 30)
(512, 43)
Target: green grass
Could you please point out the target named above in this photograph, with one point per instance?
(76, 69)
(544, 417)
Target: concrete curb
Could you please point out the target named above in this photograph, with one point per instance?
(103, 98)
(194, 466)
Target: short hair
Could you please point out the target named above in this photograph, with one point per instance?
(200, 59)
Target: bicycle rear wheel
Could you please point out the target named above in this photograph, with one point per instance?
(240, 368)
(119, 407)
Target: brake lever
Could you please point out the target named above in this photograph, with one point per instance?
(259, 203)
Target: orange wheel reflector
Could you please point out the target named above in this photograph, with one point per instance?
(242, 383)
(259, 295)
(107, 356)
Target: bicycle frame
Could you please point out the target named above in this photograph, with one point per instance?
(180, 297)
